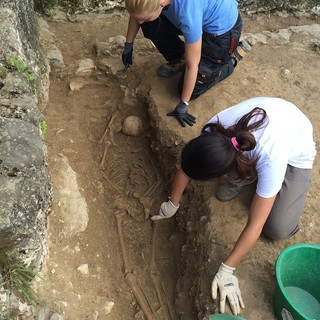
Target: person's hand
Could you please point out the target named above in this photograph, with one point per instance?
(182, 115)
(127, 55)
(167, 210)
(228, 286)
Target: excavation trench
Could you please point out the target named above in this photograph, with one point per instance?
(137, 168)
(140, 169)
(121, 179)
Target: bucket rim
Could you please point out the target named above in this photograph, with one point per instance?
(280, 258)
(225, 316)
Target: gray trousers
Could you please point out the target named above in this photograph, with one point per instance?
(287, 209)
(283, 220)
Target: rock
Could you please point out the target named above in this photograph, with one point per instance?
(84, 269)
(108, 307)
(132, 126)
(85, 67)
(76, 84)
(42, 315)
(3, 72)
(56, 316)
(73, 206)
(55, 57)
(119, 40)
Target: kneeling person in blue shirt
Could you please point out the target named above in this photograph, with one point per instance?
(211, 32)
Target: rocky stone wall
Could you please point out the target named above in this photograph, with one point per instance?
(250, 6)
(305, 6)
(25, 189)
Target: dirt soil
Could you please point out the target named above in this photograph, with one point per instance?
(106, 260)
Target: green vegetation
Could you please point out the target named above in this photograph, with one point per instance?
(21, 67)
(17, 277)
(43, 127)
(71, 6)
(44, 6)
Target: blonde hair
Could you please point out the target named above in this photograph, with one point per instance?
(141, 6)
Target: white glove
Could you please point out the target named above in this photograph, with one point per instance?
(229, 288)
(167, 210)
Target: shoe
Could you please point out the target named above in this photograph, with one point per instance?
(242, 49)
(228, 191)
(245, 45)
(234, 62)
(171, 68)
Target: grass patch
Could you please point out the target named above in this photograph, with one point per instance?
(21, 67)
(18, 278)
(43, 128)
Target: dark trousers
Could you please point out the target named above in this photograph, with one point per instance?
(215, 64)
(165, 36)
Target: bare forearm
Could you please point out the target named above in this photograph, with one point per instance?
(133, 28)
(179, 184)
(192, 54)
(189, 83)
(259, 211)
(244, 244)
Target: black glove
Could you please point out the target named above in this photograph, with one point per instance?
(182, 115)
(127, 55)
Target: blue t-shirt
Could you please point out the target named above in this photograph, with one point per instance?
(193, 17)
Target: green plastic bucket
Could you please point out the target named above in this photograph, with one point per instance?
(224, 316)
(297, 292)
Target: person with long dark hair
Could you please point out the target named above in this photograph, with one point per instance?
(197, 38)
(264, 140)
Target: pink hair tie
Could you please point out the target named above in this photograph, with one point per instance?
(235, 143)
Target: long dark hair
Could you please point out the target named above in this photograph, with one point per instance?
(212, 154)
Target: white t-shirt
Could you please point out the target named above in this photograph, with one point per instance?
(286, 139)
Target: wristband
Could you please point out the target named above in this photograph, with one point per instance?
(226, 268)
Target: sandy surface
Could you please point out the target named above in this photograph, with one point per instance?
(106, 183)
